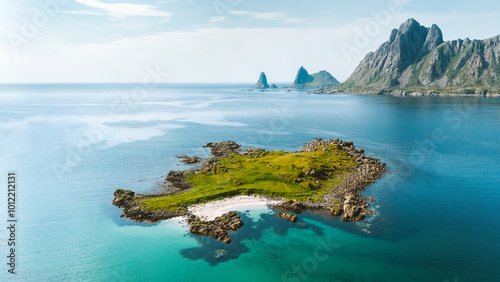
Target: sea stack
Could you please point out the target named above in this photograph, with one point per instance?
(262, 82)
(302, 78)
(321, 79)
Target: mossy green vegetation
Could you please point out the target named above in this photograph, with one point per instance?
(293, 176)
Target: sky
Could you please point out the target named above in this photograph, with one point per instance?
(212, 41)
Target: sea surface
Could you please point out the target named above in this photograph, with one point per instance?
(436, 215)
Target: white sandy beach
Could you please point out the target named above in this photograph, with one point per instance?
(211, 210)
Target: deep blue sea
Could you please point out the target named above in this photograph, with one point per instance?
(436, 215)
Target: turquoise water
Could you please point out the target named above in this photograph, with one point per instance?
(436, 213)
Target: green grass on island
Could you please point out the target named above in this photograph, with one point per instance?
(294, 176)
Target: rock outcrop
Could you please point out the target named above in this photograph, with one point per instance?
(288, 217)
(262, 82)
(415, 58)
(217, 228)
(134, 209)
(177, 180)
(345, 199)
(354, 208)
(293, 206)
(223, 149)
(321, 79)
(189, 160)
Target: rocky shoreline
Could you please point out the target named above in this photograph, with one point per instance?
(404, 93)
(217, 228)
(344, 200)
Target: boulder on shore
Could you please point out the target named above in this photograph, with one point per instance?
(293, 206)
(288, 217)
(217, 228)
(189, 160)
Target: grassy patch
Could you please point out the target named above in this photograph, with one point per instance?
(293, 176)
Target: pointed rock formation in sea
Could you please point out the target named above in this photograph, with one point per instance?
(317, 80)
(262, 82)
(273, 86)
(302, 78)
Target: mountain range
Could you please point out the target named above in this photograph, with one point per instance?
(416, 59)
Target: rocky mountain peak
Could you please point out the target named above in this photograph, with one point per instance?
(434, 39)
(408, 25)
(408, 42)
(415, 38)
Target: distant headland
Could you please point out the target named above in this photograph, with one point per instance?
(416, 61)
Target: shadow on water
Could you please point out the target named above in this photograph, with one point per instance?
(215, 252)
(371, 227)
(115, 214)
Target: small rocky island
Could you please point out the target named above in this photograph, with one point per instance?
(325, 175)
(262, 82)
(321, 79)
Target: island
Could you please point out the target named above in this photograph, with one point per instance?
(262, 82)
(321, 79)
(326, 175)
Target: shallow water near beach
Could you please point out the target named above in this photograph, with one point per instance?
(435, 215)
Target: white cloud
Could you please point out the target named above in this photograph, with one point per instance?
(268, 16)
(277, 16)
(239, 13)
(217, 19)
(122, 10)
(206, 55)
(82, 13)
(202, 55)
